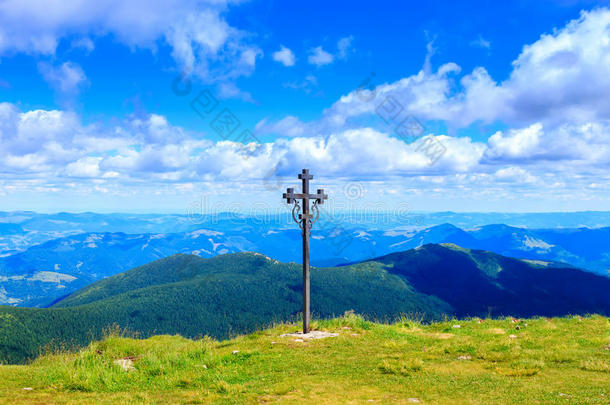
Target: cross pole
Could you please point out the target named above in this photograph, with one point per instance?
(305, 220)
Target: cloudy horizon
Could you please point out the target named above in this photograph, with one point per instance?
(238, 112)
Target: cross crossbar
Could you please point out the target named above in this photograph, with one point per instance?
(300, 196)
(305, 176)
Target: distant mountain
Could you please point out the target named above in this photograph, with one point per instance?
(20, 230)
(10, 229)
(241, 292)
(44, 273)
(444, 233)
(584, 248)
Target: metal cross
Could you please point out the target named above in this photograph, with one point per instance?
(305, 221)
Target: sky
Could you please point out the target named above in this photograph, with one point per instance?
(156, 106)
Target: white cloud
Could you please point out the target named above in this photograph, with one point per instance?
(588, 143)
(230, 90)
(39, 129)
(287, 126)
(422, 95)
(68, 78)
(319, 57)
(524, 143)
(284, 56)
(562, 77)
(53, 151)
(549, 143)
(515, 174)
(344, 46)
(481, 42)
(84, 167)
(430, 51)
(363, 152)
(306, 84)
(84, 43)
(553, 105)
(202, 42)
(57, 143)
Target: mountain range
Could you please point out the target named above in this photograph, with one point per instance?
(22, 229)
(238, 293)
(44, 273)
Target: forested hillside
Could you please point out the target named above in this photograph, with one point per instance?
(219, 297)
(242, 292)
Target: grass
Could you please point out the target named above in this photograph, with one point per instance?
(559, 360)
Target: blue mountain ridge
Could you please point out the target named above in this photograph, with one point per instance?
(43, 273)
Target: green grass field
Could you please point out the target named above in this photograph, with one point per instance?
(559, 360)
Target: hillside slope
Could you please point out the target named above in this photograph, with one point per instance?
(43, 273)
(476, 282)
(503, 361)
(242, 292)
(220, 296)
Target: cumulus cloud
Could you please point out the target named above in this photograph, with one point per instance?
(36, 141)
(537, 145)
(150, 147)
(418, 93)
(524, 143)
(588, 143)
(553, 107)
(84, 167)
(53, 142)
(44, 150)
(562, 77)
(284, 56)
(202, 42)
(319, 57)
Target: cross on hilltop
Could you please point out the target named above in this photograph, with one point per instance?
(305, 220)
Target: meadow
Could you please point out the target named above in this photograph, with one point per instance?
(476, 361)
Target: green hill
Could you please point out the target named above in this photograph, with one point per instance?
(220, 297)
(501, 361)
(476, 282)
(239, 293)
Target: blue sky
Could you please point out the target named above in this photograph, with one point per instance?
(507, 104)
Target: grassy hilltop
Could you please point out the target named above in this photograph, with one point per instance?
(540, 360)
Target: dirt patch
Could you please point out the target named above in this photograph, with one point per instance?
(314, 334)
